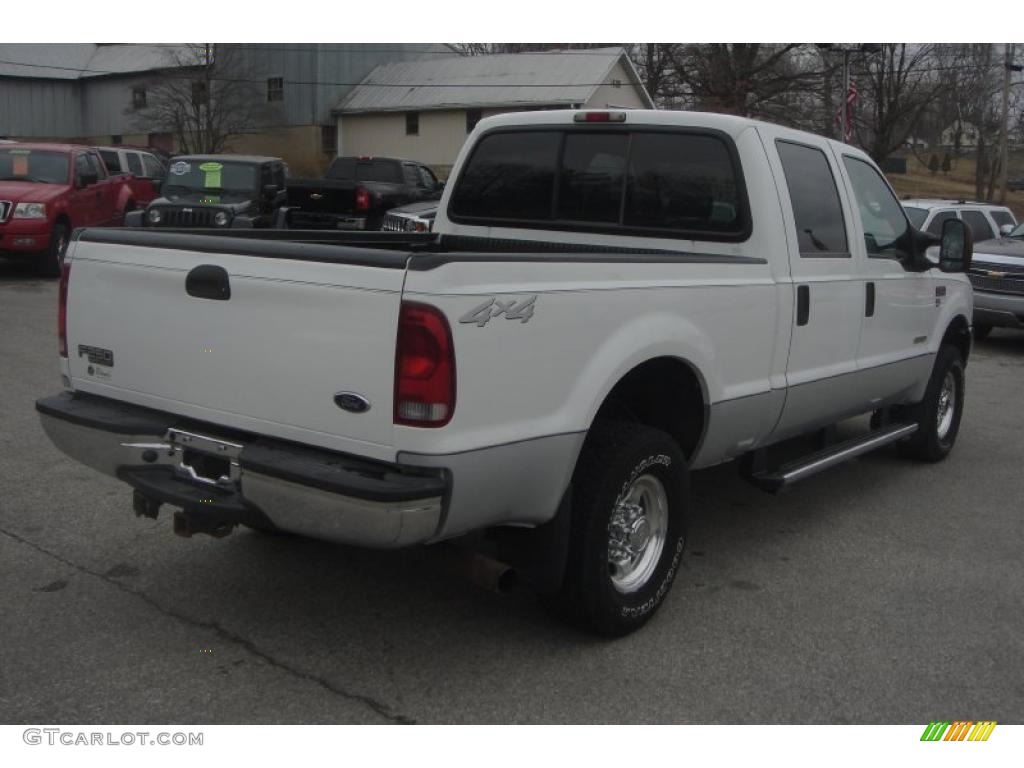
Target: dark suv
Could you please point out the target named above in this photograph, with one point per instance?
(217, 191)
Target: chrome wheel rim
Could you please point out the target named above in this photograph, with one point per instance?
(947, 405)
(636, 533)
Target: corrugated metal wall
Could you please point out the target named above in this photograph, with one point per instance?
(316, 77)
(50, 108)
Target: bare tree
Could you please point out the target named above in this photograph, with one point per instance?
(206, 97)
(897, 87)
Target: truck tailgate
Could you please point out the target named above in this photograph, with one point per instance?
(302, 324)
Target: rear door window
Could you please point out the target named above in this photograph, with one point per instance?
(134, 164)
(935, 225)
(820, 228)
(980, 228)
(111, 160)
(670, 184)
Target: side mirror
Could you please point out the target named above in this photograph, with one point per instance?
(956, 247)
(1006, 229)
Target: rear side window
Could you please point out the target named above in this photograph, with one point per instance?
(820, 228)
(980, 228)
(154, 169)
(633, 182)
(935, 226)
(134, 164)
(111, 160)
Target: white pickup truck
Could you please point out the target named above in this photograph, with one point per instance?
(609, 301)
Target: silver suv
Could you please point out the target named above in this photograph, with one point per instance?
(985, 220)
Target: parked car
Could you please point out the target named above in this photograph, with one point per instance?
(357, 191)
(415, 217)
(47, 191)
(143, 171)
(217, 191)
(997, 275)
(544, 370)
(984, 219)
(1015, 185)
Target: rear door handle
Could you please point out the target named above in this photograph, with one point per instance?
(803, 304)
(208, 281)
(869, 301)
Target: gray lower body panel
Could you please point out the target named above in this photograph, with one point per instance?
(515, 484)
(998, 309)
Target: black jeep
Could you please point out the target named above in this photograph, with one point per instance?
(219, 191)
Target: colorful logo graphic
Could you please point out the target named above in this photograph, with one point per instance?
(960, 730)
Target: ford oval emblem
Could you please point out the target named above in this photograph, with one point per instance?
(352, 402)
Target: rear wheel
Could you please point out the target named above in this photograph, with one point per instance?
(938, 415)
(630, 496)
(50, 262)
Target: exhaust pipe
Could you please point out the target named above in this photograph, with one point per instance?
(487, 573)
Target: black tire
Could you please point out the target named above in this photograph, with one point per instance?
(981, 332)
(617, 457)
(50, 262)
(931, 442)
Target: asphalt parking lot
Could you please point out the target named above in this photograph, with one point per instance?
(881, 592)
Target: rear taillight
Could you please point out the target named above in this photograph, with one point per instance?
(362, 199)
(424, 367)
(62, 308)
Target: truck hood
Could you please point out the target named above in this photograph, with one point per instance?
(1002, 250)
(30, 192)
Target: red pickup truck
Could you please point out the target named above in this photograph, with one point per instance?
(47, 191)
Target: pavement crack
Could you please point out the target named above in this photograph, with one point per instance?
(378, 707)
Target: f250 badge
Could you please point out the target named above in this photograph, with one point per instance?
(513, 309)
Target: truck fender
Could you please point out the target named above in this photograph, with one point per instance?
(664, 335)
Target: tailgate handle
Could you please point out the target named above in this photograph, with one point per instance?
(208, 281)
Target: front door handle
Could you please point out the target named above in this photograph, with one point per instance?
(803, 304)
(869, 301)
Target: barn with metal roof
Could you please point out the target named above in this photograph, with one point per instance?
(425, 109)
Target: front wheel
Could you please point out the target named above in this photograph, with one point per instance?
(938, 415)
(630, 497)
(51, 260)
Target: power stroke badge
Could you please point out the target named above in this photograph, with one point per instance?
(520, 309)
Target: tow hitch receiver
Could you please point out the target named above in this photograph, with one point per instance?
(187, 523)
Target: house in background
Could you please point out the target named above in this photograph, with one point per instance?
(98, 93)
(423, 110)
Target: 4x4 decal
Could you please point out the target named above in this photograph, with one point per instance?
(513, 309)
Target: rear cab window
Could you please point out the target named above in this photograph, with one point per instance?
(1002, 218)
(134, 164)
(683, 183)
(369, 169)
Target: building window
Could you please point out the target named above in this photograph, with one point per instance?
(116, 139)
(138, 98)
(275, 89)
(329, 138)
(412, 123)
(472, 118)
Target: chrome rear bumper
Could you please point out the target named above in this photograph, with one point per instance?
(254, 480)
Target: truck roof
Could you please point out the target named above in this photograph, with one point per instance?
(930, 202)
(230, 158)
(730, 124)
